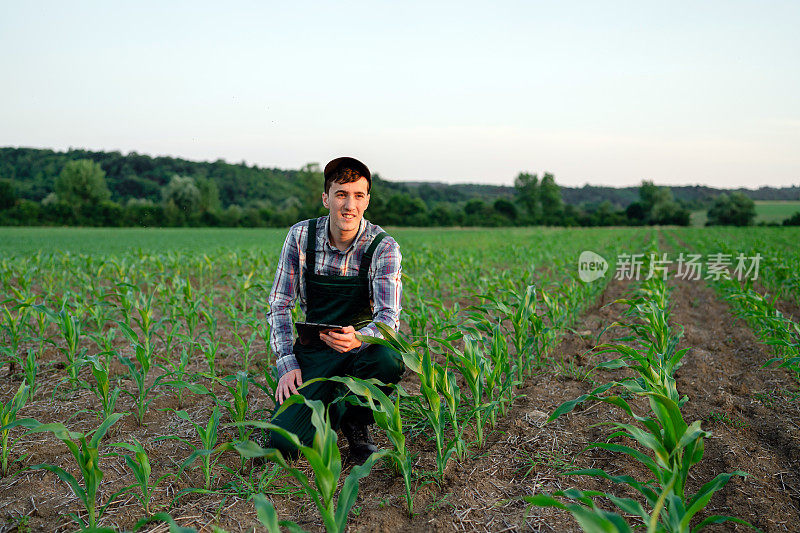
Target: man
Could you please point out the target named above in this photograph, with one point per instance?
(345, 271)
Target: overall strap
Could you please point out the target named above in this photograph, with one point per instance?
(311, 246)
(366, 259)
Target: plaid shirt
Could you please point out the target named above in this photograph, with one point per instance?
(385, 288)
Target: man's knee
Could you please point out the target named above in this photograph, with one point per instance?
(381, 363)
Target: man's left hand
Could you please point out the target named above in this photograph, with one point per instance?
(342, 341)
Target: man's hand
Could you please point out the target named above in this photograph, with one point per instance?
(288, 385)
(343, 341)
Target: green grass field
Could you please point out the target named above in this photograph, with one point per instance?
(766, 211)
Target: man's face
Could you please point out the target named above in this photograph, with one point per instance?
(347, 203)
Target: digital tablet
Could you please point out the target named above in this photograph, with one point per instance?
(309, 331)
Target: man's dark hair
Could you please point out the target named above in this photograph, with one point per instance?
(345, 174)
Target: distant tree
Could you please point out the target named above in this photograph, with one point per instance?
(527, 188)
(657, 205)
(669, 212)
(182, 193)
(209, 195)
(637, 214)
(505, 208)
(475, 207)
(650, 194)
(406, 210)
(81, 183)
(442, 215)
(232, 216)
(310, 180)
(735, 209)
(7, 195)
(552, 204)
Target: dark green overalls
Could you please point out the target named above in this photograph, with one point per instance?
(341, 300)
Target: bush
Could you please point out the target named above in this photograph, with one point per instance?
(793, 220)
(735, 209)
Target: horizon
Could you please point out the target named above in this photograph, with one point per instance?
(681, 94)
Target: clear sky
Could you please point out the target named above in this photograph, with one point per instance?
(606, 93)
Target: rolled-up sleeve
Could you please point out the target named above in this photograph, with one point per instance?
(285, 290)
(386, 288)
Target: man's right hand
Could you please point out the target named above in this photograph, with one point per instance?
(288, 385)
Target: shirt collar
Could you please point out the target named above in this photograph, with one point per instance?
(327, 240)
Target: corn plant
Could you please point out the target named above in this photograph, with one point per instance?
(139, 463)
(105, 394)
(246, 345)
(14, 325)
(210, 351)
(207, 450)
(473, 366)
(430, 407)
(8, 421)
(42, 318)
(105, 342)
(178, 376)
(138, 374)
(238, 406)
(326, 461)
(447, 386)
(30, 368)
(387, 416)
(71, 331)
(87, 455)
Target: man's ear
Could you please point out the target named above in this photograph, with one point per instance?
(325, 201)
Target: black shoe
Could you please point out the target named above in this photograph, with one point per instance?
(260, 437)
(360, 441)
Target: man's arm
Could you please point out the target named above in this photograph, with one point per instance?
(387, 288)
(284, 293)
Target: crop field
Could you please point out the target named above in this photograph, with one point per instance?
(660, 396)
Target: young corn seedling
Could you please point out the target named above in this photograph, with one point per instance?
(473, 366)
(178, 377)
(326, 461)
(500, 380)
(71, 331)
(87, 455)
(105, 342)
(675, 447)
(8, 421)
(208, 451)
(30, 368)
(447, 386)
(238, 406)
(42, 318)
(246, 345)
(107, 396)
(210, 351)
(432, 410)
(14, 326)
(138, 374)
(139, 463)
(387, 416)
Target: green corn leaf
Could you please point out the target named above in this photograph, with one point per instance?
(266, 514)
(719, 519)
(347, 496)
(699, 500)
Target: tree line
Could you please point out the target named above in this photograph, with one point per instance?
(43, 187)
